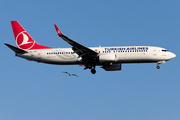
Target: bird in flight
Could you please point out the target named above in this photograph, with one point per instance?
(71, 74)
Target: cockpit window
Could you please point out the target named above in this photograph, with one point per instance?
(164, 50)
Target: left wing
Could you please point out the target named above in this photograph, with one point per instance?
(79, 49)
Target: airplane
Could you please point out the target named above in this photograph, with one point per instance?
(109, 58)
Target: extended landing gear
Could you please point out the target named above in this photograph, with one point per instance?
(160, 62)
(92, 67)
(157, 66)
(93, 71)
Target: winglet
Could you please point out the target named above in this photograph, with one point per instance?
(57, 30)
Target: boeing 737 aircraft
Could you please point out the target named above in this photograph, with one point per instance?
(109, 58)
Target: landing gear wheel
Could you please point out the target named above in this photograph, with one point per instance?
(93, 71)
(158, 67)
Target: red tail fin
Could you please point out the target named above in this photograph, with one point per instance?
(23, 39)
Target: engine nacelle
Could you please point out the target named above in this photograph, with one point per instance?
(113, 67)
(107, 58)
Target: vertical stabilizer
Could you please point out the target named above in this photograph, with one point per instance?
(23, 39)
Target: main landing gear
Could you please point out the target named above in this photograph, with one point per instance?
(92, 67)
(93, 71)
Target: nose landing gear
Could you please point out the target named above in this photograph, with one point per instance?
(157, 66)
(160, 62)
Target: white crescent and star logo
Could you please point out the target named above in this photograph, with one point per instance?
(24, 41)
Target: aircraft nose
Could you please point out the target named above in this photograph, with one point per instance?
(172, 55)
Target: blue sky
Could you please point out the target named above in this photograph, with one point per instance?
(36, 91)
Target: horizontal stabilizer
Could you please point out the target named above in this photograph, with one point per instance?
(15, 49)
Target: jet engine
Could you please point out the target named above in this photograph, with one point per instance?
(113, 67)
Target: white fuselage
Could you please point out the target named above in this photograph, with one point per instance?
(120, 54)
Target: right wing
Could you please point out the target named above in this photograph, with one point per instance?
(79, 49)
